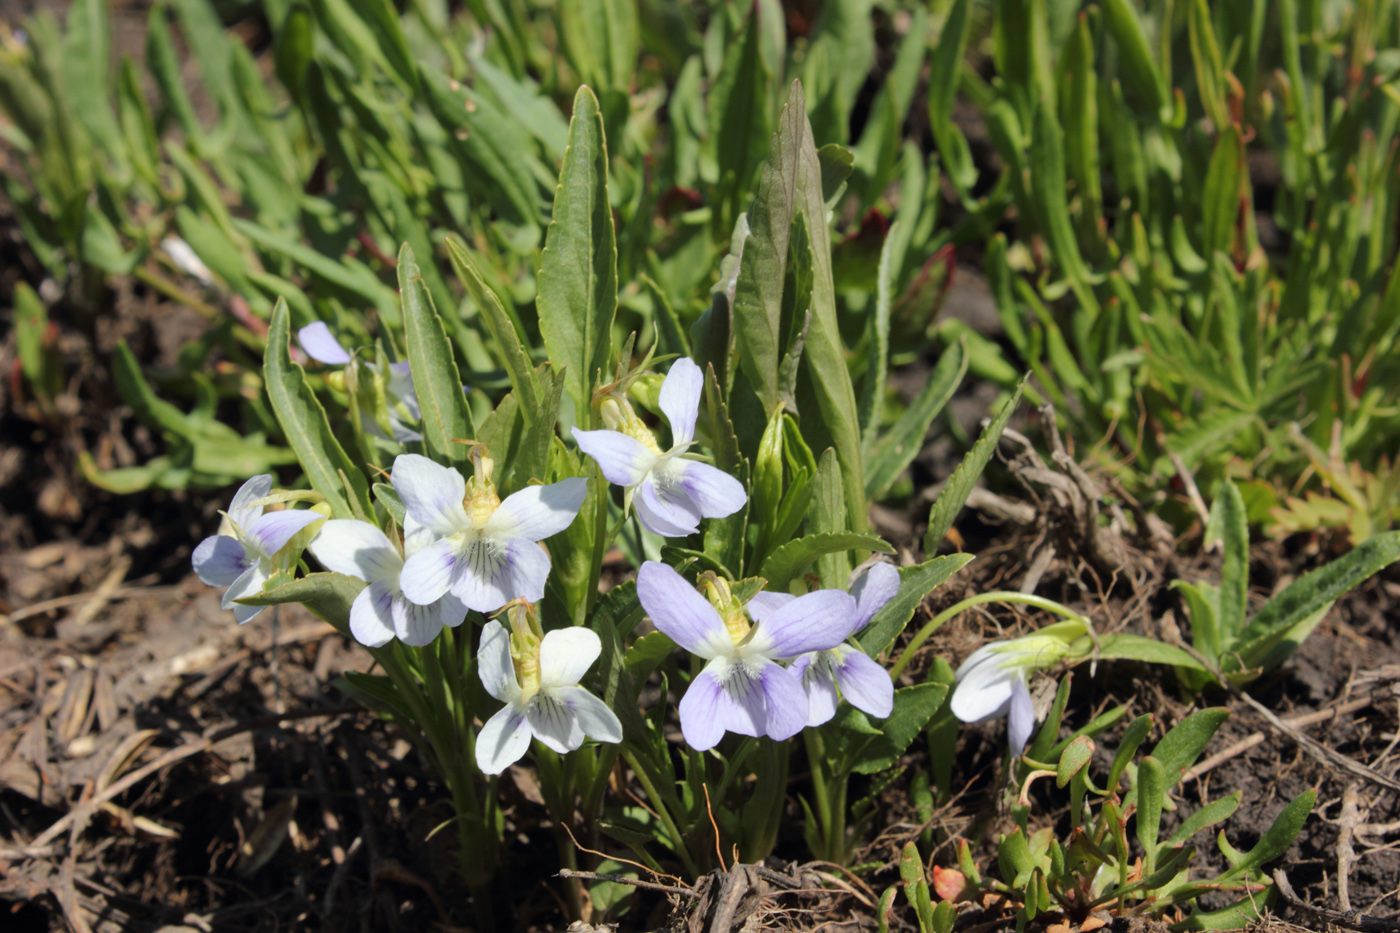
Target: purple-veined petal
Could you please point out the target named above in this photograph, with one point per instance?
(566, 654)
(594, 718)
(249, 584)
(525, 570)
(699, 711)
(482, 578)
(451, 610)
(624, 460)
(765, 602)
(494, 665)
(715, 493)
(431, 493)
(503, 740)
(356, 549)
(862, 681)
(1020, 718)
(876, 586)
(677, 609)
(983, 690)
(680, 399)
(819, 620)
(414, 624)
(430, 572)
(221, 559)
(272, 530)
(754, 697)
(370, 619)
(553, 723)
(667, 512)
(320, 344)
(240, 511)
(785, 702)
(817, 683)
(536, 512)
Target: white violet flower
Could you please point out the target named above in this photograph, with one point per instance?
(537, 678)
(381, 612)
(670, 492)
(991, 683)
(485, 552)
(245, 552)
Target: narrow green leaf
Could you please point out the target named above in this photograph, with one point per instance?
(1217, 811)
(1073, 759)
(1180, 747)
(1133, 737)
(1152, 792)
(517, 360)
(950, 501)
(898, 447)
(788, 561)
(827, 515)
(1229, 524)
(915, 583)
(1128, 647)
(1316, 590)
(308, 430)
(446, 416)
(913, 708)
(578, 272)
(1140, 72)
(1277, 838)
(327, 595)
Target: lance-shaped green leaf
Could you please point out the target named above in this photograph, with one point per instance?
(578, 272)
(791, 183)
(1277, 838)
(1229, 525)
(913, 708)
(915, 583)
(327, 595)
(1217, 811)
(1152, 793)
(1140, 72)
(331, 471)
(792, 558)
(738, 112)
(1180, 747)
(446, 417)
(1307, 598)
(827, 515)
(894, 451)
(1220, 200)
(518, 368)
(959, 486)
(1129, 647)
(600, 40)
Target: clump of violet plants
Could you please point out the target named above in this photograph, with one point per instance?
(461, 540)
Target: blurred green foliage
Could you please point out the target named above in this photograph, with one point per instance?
(1186, 212)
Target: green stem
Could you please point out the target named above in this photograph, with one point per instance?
(996, 596)
(816, 760)
(649, 788)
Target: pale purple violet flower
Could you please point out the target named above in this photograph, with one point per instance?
(860, 679)
(240, 556)
(671, 493)
(742, 689)
(381, 612)
(404, 411)
(541, 693)
(486, 552)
